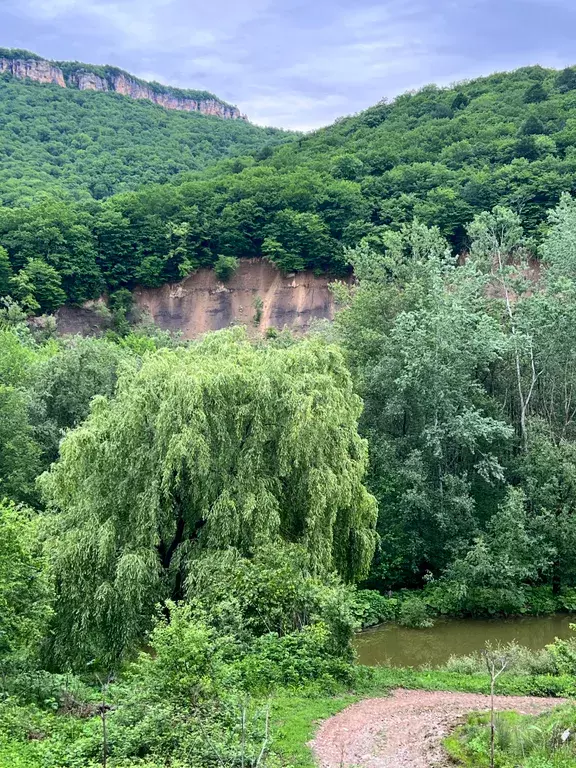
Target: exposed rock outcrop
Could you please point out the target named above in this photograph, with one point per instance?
(85, 78)
(39, 70)
(257, 295)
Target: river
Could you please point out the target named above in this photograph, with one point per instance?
(399, 646)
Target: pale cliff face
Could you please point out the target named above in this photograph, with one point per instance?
(41, 71)
(45, 72)
(88, 81)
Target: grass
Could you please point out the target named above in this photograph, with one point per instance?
(294, 723)
(521, 740)
(296, 716)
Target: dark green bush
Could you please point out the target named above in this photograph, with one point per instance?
(371, 608)
(225, 266)
(414, 613)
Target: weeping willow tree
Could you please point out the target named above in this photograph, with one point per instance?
(224, 444)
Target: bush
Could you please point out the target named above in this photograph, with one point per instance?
(414, 613)
(182, 701)
(540, 600)
(523, 661)
(225, 266)
(564, 654)
(371, 608)
(274, 592)
(566, 601)
(25, 590)
(295, 660)
(527, 740)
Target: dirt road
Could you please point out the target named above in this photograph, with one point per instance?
(406, 729)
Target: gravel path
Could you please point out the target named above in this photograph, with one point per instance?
(406, 729)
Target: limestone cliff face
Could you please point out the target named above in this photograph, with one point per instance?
(41, 71)
(257, 296)
(115, 80)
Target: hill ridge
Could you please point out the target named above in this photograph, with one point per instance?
(23, 64)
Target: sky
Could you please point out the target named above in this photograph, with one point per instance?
(297, 64)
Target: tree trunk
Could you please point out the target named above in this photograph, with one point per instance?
(492, 726)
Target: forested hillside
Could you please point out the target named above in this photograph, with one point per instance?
(82, 145)
(439, 156)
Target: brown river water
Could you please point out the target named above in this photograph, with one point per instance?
(398, 646)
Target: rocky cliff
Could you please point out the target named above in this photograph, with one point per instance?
(257, 295)
(22, 65)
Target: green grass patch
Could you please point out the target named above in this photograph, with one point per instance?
(542, 741)
(294, 722)
(385, 678)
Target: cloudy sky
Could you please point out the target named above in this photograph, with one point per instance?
(297, 63)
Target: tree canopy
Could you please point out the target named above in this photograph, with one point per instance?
(222, 444)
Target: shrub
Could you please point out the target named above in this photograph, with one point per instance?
(274, 592)
(414, 613)
(523, 661)
(540, 600)
(295, 660)
(567, 599)
(25, 590)
(225, 266)
(371, 608)
(564, 654)
(526, 740)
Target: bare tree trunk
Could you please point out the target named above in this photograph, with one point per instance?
(496, 663)
(492, 725)
(524, 399)
(104, 734)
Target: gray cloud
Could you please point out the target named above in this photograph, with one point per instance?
(293, 63)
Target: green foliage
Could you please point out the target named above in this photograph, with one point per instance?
(275, 591)
(416, 334)
(120, 303)
(5, 273)
(536, 741)
(25, 594)
(38, 287)
(566, 80)
(521, 661)
(63, 385)
(371, 608)
(222, 444)
(225, 267)
(86, 145)
(258, 305)
(489, 577)
(556, 686)
(19, 453)
(414, 613)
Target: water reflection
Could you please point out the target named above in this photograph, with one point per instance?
(403, 647)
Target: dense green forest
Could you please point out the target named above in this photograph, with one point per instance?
(66, 144)
(438, 155)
